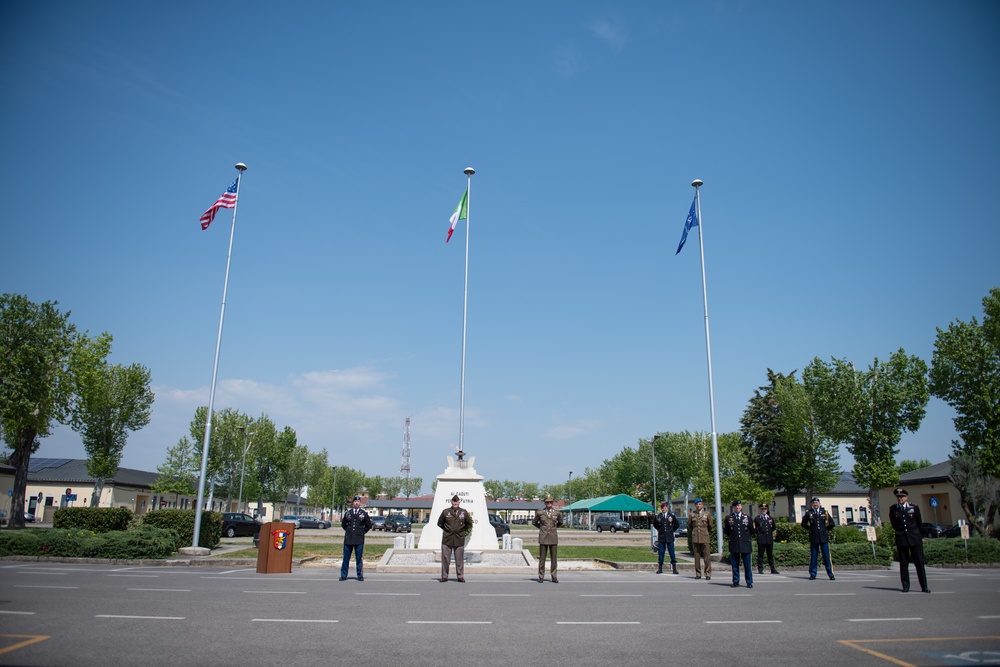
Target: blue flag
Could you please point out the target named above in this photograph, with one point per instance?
(692, 221)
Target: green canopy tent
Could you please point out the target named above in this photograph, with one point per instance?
(619, 505)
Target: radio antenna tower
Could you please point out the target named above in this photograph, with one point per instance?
(404, 467)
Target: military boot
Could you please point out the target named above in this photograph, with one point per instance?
(675, 569)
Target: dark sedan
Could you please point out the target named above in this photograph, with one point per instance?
(932, 530)
(237, 524)
(310, 521)
(499, 525)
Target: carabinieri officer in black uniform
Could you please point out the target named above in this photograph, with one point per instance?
(905, 520)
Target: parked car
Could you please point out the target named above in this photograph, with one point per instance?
(397, 523)
(932, 530)
(29, 517)
(499, 525)
(682, 527)
(378, 522)
(237, 524)
(612, 523)
(860, 525)
(310, 521)
(291, 518)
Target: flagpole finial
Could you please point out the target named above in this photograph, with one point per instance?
(242, 167)
(469, 171)
(696, 183)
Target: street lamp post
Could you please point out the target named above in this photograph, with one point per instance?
(569, 497)
(333, 495)
(243, 465)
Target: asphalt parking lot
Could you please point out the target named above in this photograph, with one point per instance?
(90, 614)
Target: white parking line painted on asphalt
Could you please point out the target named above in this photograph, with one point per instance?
(389, 594)
(161, 590)
(499, 595)
(450, 622)
(136, 576)
(142, 618)
(879, 620)
(722, 595)
(598, 623)
(72, 588)
(292, 620)
(18, 613)
(817, 594)
(278, 592)
(611, 595)
(988, 617)
(737, 622)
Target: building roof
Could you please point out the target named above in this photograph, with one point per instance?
(939, 472)
(75, 471)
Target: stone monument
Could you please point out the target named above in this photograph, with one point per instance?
(460, 478)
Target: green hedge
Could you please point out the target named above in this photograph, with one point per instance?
(139, 543)
(96, 519)
(945, 550)
(182, 523)
(853, 553)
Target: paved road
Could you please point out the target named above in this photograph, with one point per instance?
(100, 615)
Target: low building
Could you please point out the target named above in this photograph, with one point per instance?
(931, 490)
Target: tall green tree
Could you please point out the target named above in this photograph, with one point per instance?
(785, 447)
(675, 463)
(909, 465)
(735, 480)
(965, 373)
(109, 401)
(978, 492)
(36, 341)
(869, 411)
(178, 474)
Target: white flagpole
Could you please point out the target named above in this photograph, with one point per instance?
(696, 184)
(469, 171)
(215, 369)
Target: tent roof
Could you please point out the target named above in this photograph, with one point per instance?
(619, 503)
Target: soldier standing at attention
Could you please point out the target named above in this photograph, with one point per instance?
(737, 527)
(355, 523)
(905, 520)
(700, 538)
(547, 521)
(763, 525)
(819, 524)
(665, 523)
(454, 523)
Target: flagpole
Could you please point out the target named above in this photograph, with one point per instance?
(240, 167)
(469, 171)
(696, 184)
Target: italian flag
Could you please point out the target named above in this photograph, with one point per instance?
(461, 213)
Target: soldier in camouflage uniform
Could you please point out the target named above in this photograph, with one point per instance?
(454, 523)
(700, 538)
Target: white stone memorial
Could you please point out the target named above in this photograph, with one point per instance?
(460, 478)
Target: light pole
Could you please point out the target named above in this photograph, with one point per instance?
(333, 495)
(243, 465)
(569, 497)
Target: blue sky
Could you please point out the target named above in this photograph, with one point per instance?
(850, 207)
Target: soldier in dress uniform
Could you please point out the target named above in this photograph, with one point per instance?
(905, 520)
(547, 521)
(665, 523)
(454, 523)
(355, 523)
(738, 528)
(763, 525)
(700, 538)
(819, 524)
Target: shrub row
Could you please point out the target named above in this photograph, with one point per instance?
(94, 519)
(142, 542)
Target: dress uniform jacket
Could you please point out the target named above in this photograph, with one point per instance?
(454, 522)
(737, 528)
(355, 523)
(764, 528)
(906, 522)
(700, 527)
(819, 524)
(546, 521)
(665, 524)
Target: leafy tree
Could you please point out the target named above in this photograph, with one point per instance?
(531, 490)
(411, 486)
(786, 450)
(979, 492)
(391, 486)
(869, 410)
(965, 373)
(909, 465)
(109, 401)
(735, 480)
(493, 489)
(675, 463)
(178, 474)
(296, 472)
(36, 341)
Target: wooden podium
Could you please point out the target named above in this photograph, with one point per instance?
(274, 553)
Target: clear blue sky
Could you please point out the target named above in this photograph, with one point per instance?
(850, 206)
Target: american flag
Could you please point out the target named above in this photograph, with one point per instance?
(227, 200)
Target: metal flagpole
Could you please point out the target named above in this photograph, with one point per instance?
(469, 171)
(215, 369)
(696, 184)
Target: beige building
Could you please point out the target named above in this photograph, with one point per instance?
(929, 489)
